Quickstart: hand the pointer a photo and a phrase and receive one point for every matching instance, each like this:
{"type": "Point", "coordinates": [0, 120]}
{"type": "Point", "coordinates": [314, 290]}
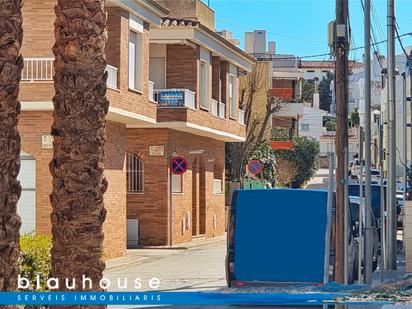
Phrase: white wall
{"type": "Point", "coordinates": [313, 118]}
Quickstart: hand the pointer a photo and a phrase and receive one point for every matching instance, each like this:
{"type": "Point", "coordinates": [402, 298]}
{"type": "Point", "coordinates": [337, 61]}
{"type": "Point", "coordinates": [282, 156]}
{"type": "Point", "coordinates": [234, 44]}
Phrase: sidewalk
{"type": "Point", "coordinates": [146, 254]}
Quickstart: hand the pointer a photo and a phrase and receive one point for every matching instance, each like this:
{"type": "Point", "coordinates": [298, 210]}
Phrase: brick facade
{"type": "Point", "coordinates": [197, 210]}
{"type": "Point", "coordinates": [32, 126]}
{"type": "Point", "coordinates": [206, 209]}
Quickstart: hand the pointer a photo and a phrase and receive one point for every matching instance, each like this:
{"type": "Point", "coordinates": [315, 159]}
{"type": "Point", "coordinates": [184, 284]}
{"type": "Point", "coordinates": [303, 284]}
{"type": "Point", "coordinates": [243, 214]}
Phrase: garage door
{"type": "Point", "coordinates": [27, 203]}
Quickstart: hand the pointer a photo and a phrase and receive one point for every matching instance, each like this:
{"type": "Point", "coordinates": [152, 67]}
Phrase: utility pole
{"type": "Point", "coordinates": [341, 86]}
{"type": "Point", "coordinates": [405, 136]}
{"type": "Point", "coordinates": [361, 205]}
{"type": "Point", "coordinates": [368, 241]}
{"type": "Point", "coordinates": [391, 211]}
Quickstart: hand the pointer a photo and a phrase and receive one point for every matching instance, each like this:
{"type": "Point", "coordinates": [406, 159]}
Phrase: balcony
{"type": "Point", "coordinates": [241, 117]}
{"type": "Point", "coordinates": [38, 70]}
{"type": "Point", "coordinates": [215, 108]}
{"type": "Point", "coordinates": [111, 77]}
{"type": "Point", "coordinates": [222, 110]}
{"type": "Point", "coordinates": [42, 70]}
{"type": "Point", "coordinates": [175, 98]}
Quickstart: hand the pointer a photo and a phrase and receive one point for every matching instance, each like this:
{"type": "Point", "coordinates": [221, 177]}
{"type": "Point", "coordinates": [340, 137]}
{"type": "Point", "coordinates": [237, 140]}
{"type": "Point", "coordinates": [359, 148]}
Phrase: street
{"type": "Point", "coordinates": [199, 268]}
{"type": "Point", "coordinates": [320, 181]}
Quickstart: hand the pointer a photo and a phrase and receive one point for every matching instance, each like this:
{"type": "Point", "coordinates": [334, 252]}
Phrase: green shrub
{"type": "Point", "coordinates": [266, 155]}
{"type": "Point", "coordinates": [305, 156]}
{"type": "Point", "coordinates": [35, 257]}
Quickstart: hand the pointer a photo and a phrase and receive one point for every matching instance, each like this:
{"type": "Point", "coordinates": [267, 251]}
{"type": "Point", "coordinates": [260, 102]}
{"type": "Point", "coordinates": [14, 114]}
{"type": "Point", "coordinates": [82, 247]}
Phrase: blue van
{"type": "Point", "coordinates": [279, 236]}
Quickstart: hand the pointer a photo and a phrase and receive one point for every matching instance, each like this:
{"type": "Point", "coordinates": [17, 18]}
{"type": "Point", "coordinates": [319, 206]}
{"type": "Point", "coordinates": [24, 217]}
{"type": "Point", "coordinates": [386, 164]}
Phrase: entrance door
{"type": "Point", "coordinates": [195, 197]}
{"type": "Point", "coordinates": [202, 205]}
{"type": "Point", "coordinates": [26, 207]}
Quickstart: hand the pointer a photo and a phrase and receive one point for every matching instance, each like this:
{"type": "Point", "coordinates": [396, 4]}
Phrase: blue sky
{"type": "Point", "coordinates": [306, 21]}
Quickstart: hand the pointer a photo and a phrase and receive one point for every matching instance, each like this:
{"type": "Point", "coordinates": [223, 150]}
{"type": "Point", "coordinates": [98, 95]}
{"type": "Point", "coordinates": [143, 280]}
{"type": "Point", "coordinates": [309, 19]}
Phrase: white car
{"type": "Point", "coordinates": [355, 169]}
{"type": "Point", "coordinates": [375, 176]}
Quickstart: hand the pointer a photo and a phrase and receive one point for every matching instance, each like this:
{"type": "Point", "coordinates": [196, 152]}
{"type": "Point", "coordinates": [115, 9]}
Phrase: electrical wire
{"type": "Point", "coordinates": [400, 41]}
{"type": "Point", "coordinates": [271, 32]}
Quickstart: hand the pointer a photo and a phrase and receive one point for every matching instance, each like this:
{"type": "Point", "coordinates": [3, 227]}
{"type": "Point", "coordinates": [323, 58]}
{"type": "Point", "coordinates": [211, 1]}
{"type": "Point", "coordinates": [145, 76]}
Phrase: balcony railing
{"type": "Point", "coordinates": [222, 110]}
{"type": "Point", "coordinates": [151, 91]}
{"type": "Point", "coordinates": [215, 107]}
{"type": "Point", "coordinates": [111, 76]}
{"type": "Point", "coordinates": [37, 69]}
{"type": "Point", "coordinates": [42, 70]}
{"type": "Point", "coordinates": [175, 98]}
{"type": "Point", "coordinates": [241, 117]}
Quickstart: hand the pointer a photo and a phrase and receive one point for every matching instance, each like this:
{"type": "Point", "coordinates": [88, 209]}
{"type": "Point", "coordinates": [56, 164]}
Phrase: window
{"type": "Point", "coordinates": [136, 61]}
{"type": "Point", "coordinates": [177, 183]}
{"type": "Point", "coordinates": [204, 83]}
{"type": "Point", "coordinates": [135, 173]}
{"type": "Point", "coordinates": [304, 126]}
{"type": "Point", "coordinates": [232, 105]}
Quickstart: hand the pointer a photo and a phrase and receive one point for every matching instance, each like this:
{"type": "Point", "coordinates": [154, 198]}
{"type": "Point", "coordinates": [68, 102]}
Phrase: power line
{"type": "Point", "coordinates": [352, 49]}
{"type": "Point", "coordinates": [399, 39]}
{"type": "Point", "coordinates": [271, 32]}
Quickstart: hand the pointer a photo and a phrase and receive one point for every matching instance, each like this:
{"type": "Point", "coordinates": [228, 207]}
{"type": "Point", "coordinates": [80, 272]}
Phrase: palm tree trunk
{"type": "Point", "coordinates": [80, 107]}
{"type": "Point", "coordinates": [11, 65]}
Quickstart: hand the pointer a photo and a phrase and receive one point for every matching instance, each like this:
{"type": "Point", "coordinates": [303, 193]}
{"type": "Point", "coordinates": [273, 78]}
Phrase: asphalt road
{"type": "Point", "coordinates": [195, 269]}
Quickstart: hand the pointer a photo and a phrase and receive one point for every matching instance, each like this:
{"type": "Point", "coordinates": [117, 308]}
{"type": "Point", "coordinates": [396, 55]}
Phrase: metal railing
{"type": "Point", "coordinates": [42, 70]}
{"type": "Point", "coordinates": [214, 107]}
{"type": "Point", "coordinates": [151, 91]}
{"type": "Point", "coordinates": [175, 98]}
{"type": "Point", "coordinates": [111, 76]}
{"type": "Point", "coordinates": [38, 69]}
{"type": "Point", "coordinates": [241, 117]}
{"type": "Point", "coordinates": [222, 110]}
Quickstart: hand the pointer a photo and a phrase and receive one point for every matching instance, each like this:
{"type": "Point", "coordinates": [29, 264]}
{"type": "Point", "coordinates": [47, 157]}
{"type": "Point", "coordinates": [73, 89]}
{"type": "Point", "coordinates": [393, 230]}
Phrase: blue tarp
{"type": "Point", "coordinates": [280, 235]}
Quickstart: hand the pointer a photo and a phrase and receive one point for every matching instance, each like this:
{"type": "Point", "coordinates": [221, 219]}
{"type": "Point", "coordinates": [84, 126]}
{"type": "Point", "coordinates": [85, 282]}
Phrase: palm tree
{"type": "Point", "coordinates": [79, 126]}
{"type": "Point", "coordinates": [11, 65]}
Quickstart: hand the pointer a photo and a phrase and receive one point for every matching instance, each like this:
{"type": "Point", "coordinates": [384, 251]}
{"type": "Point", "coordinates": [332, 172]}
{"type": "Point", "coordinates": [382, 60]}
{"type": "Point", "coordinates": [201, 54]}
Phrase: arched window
{"type": "Point", "coordinates": [135, 173]}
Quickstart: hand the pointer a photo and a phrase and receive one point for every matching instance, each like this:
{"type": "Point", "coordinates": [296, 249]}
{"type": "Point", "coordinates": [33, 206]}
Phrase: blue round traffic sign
{"type": "Point", "coordinates": [179, 165]}
{"type": "Point", "coordinates": [255, 167]}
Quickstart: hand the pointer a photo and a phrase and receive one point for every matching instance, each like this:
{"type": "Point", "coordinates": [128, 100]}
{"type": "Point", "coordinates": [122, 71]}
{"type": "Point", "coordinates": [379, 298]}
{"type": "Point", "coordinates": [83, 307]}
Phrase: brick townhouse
{"type": "Point", "coordinates": [172, 87]}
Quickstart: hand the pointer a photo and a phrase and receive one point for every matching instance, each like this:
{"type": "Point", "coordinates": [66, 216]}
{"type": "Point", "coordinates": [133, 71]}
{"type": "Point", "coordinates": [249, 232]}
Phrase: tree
{"type": "Point", "coordinates": [355, 118]}
{"type": "Point", "coordinates": [305, 156]}
{"type": "Point", "coordinates": [266, 155]}
{"type": "Point", "coordinates": [330, 125]}
{"type": "Point", "coordinates": [308, 89]}
{"type": "Point", "coordinates": [11, 65]}
{"type": "Point", "coordinates": [80, 107]}
{"type": "Point", "coordinates": [286, 172]}
{"type": "Point", "coordinates": [253, 89]}
{"type": "Point", "coordinates": [325, 96]}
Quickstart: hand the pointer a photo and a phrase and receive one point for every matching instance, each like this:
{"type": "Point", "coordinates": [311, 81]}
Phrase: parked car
{"type": "Point", "coordinates": [355, 169]}
{"type": "Point", "coordinates": [263, 247]}
{"type": "Point", "coordinates": [400, 202]}
{"type": "Point", "coordinates": [355, 206]}
{"type": "Point", "coordinates": [375, 176]}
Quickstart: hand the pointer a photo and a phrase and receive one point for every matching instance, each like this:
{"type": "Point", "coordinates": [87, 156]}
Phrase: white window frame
{"type": "Point", "coordinates": [134, 173]}
{"type": "Point", "coordinates": [204, 85]}
{"type": "Point", "coordinates": [232, 96]}
{"type": "Point", "coordinates": [135, 60]}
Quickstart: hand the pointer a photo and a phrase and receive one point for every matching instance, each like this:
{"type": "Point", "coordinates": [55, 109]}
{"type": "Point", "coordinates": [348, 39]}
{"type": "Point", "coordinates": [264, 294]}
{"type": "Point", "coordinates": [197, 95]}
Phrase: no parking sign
{"type": "Point", "coordinates": [179, 165]}
{"type": "Point", "coordinates": [255, 167]}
